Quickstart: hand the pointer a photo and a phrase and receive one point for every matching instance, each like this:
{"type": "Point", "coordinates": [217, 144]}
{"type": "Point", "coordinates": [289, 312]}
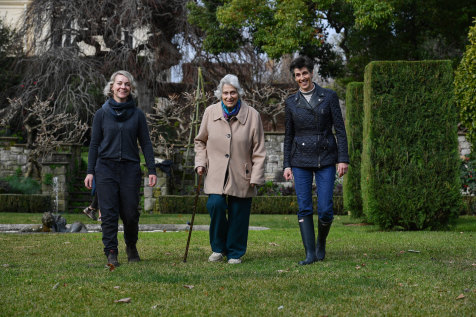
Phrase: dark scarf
{"type": "Point", "coordinates": [121, 111]}
{"type": "Point", "coordinates": [227, 113]}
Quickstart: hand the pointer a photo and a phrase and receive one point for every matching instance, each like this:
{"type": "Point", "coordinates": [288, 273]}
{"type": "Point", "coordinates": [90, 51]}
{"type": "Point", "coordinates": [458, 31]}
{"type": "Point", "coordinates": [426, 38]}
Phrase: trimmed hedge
{"type": "Point", "coordinates": [260, 204]}
{"type": "Point", "coordinates": [410, 163]}
{"type": "Point", "coordinates": [354, 115]}
{"type": "Point", "coordinates": [25, 203]}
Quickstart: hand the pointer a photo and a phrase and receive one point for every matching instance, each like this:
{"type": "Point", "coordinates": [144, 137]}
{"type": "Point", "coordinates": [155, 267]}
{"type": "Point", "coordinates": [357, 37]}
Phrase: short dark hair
{"type": "Point", "coordinates": [300, 62]}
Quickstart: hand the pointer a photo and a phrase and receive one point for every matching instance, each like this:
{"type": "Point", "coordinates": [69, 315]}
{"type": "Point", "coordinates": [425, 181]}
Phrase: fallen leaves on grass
{"type": "Point", "coordinates": [189, 286]}
{"type": "Point", "coordinates": [111, 267]}
{"type": "Point", "coordinates": [117, 287]}
{"type": "Point", "coordinates": [56, 285]}
{"type": "Point", "coordinates": [283, 271]}
{"type": "Point", "coordinates": [460, 296]}
{"type": "Point", "coordinates": [274, 244]}
{"type": "Point", "coordinates": [123, 300]}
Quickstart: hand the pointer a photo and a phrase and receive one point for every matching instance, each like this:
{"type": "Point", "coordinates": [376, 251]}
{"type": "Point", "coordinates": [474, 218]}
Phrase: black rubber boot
{"type": "Point", "coordinates": [132, 253]}
{"type": "Point", "coordinates": [112, 259]}
{"type": "Point", "coordinates": [322, 232]}
{"type": "Point", "coordinates": [306, 224]}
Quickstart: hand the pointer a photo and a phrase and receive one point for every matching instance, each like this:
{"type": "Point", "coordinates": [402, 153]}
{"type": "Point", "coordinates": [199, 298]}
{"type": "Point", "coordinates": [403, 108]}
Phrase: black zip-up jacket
{"type": "Point", "coordinates": [114, 140]}
{"type": "Point", "coordinates": [309, 140]}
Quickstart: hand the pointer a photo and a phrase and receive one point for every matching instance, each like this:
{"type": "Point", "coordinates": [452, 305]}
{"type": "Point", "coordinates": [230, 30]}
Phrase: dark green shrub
{"type": "Point", "coordinates": [261, 204]}
{"type": "Point", "coordinates": [354, 115]}
{"type": "Point", "coordinates": [465, 86]}
{"type": "Point", "coordinates": [469, 205]}
{"type": "Point", "coordinates": [24, 203]}
{"type": "Point", "coordinates": [22, 185]}
{"type": "Point", "coordinates": [410, 159]}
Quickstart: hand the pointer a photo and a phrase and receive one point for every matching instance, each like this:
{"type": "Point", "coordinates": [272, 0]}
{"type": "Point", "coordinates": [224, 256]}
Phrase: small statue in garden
{"type": "Point", "coordinates": [57, 223]}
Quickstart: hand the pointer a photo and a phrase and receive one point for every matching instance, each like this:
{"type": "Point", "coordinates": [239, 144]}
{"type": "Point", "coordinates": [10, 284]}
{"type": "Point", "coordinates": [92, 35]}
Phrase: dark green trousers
{"type": "Point", "coordinates": [229, 235]}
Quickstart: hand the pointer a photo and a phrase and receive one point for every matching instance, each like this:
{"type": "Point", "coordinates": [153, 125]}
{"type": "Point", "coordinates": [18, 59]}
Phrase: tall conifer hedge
{"type": "Point", "coordinates": [354, 114]}
{"type": "Point", "coordinates": [410, 152]}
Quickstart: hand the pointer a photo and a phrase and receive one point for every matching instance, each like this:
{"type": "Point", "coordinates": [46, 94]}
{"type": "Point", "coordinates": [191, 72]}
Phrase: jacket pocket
{"type": "Point", "coordinates": [247, 171]}
{"type": "Point", "coordinates": [322, 142]}
{"type": "Point", "coordinates": [306, 145]}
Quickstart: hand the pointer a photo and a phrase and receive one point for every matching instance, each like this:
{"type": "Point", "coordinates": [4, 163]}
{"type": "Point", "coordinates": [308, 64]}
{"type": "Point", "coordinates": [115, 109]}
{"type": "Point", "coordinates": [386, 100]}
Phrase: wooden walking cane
{"type": "Point", "coordinates": [193, 217]}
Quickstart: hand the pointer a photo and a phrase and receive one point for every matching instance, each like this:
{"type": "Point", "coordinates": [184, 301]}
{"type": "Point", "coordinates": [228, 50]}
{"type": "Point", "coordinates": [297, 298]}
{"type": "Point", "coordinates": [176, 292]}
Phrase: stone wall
{"type": "Point", "coordinates": [13, 156]}
{"type": "Point", "coordinates": [464, 145]}
{"type": "Point", "coordinates": [57, 170]}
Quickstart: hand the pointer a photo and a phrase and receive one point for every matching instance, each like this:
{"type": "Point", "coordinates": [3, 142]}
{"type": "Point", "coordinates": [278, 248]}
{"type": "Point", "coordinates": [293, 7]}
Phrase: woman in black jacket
{"type": "Point", "coordinates": [311, 150]}
{"type": "Point", "coordinates": [114, 163]}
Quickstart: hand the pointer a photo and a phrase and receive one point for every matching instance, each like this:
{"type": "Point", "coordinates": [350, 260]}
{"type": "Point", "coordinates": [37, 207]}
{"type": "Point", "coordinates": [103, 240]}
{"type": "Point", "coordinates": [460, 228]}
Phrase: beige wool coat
{"type": "Point", "coordinates": [237, 145]}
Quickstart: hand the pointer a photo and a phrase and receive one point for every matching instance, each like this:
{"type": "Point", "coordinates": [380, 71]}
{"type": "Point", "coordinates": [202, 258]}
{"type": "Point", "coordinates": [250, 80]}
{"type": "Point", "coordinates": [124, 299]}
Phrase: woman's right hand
{"type": "Point", "coordinates": [88, 181]}
{"type": "Point", "coordinates": [200, 170]}
{"type": "Point", "coordinates": [288, 174]}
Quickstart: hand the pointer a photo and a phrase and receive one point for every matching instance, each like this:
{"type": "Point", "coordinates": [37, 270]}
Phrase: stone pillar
{"type": "Point", "coordinates": [151, 193]}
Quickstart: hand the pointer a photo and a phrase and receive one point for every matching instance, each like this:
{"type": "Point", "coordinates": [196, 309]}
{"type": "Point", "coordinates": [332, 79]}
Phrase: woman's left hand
{"type": "Point", "coordinates": [342, 169]}
{"type": "Point", "coordinates": [152, 180]}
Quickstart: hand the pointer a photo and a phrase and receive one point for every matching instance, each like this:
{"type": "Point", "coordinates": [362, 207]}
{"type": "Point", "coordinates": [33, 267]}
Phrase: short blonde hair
{"type": "Point", "coordinates": [107, 89]}
{"type": "Point", "coordinates": [229, 79]}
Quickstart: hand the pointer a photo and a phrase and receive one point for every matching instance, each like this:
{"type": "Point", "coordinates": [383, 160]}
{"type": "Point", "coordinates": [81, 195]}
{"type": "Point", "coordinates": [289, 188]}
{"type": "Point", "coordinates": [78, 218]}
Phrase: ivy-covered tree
{"type": "Point", "coordinates": [465, 86]}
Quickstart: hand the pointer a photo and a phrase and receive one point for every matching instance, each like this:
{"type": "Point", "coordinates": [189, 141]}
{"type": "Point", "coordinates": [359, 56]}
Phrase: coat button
{"type": "Point", "coordinates": [227, 156]}
{"type": "Point", "coordinates": [228, 135]}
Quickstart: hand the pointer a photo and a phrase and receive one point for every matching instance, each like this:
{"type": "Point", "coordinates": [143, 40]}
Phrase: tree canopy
{"type": "Point", "coordinates": [369, 29]}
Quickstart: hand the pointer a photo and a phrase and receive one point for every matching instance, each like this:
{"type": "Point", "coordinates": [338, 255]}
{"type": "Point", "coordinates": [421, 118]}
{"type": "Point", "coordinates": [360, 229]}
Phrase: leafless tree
{"type": "Point", "coordinates": [268, 101]}
{"type": "Point", "coordinates": [73, 47]}
{"type": "Point", "coordinates": [46, 131]}
{"type": "Point", "coordinates": [171, 120]}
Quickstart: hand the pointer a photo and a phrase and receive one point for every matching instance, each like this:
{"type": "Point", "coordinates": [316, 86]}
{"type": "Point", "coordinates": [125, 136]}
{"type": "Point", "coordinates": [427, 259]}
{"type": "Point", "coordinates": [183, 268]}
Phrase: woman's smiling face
{"type": "Point", "coordinates": [303, 78]}
{"type": "Point", "coordinates": [229, 95]}
{"type": "Point", "coordinates": [121, 88]}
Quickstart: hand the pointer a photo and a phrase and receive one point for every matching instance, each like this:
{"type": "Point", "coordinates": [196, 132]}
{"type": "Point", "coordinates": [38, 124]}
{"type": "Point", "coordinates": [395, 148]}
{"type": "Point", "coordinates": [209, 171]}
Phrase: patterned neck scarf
{"type": "Point", "coordinates": [229, 114]}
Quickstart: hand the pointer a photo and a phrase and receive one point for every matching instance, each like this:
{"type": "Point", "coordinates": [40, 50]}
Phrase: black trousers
{"type": "Point", "coordinates": [118, 185]}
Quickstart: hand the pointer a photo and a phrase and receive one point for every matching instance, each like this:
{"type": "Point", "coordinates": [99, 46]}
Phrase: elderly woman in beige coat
{"type": "Point", "coordinates": [230, 151]}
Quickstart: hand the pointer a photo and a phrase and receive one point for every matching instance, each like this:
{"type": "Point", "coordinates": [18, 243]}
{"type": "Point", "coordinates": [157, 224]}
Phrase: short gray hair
{"type": "Point", "coordinates": [229, 79]}
{"type": "Point", "coordinates": [107, 89]}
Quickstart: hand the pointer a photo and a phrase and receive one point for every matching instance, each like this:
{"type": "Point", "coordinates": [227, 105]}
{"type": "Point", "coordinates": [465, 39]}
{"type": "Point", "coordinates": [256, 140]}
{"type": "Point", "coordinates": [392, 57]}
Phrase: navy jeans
{"type": "Point", "coordinates": [229, 236]}
{"type": "Point", "coordinates": [118, 185]}
{"type": "Point", "coordinates": [325, 177]}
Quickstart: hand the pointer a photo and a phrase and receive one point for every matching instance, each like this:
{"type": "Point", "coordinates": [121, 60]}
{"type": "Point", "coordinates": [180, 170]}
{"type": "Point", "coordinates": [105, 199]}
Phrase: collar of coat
{"type": "Point", "coordinates": [242, 115]}
{"type": "Point", "coordinates": [317, 97]}
{"type": "Point", "coordinates": [319, 92]}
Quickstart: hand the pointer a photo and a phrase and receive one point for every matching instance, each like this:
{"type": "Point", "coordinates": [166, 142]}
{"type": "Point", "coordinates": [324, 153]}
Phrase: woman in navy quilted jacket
{"type": "Point", "coordinates": [312, 150]}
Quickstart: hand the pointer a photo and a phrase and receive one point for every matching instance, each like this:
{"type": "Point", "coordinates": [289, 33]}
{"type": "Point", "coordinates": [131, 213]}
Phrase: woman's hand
{"type": "Point", "coordinates": [152, 180]}
{"type": "Point", "coordinates": [200, 170]}
{"type": "Point", "coordinates": [88, 181]}
{"type": "Point", "coordinates": [288, 174]}
{"type": "Point", "coordinates": [342, 169]}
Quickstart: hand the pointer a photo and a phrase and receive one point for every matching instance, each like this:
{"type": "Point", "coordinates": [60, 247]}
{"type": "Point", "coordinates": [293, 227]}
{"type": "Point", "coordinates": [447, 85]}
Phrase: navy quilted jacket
{"type": "Point", "coordinates": [309, 140]}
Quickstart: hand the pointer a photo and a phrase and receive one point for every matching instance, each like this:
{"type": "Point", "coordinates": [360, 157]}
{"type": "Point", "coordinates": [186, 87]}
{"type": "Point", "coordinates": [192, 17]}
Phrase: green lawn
{"type": "Point", "coordinates": [366, 272]}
